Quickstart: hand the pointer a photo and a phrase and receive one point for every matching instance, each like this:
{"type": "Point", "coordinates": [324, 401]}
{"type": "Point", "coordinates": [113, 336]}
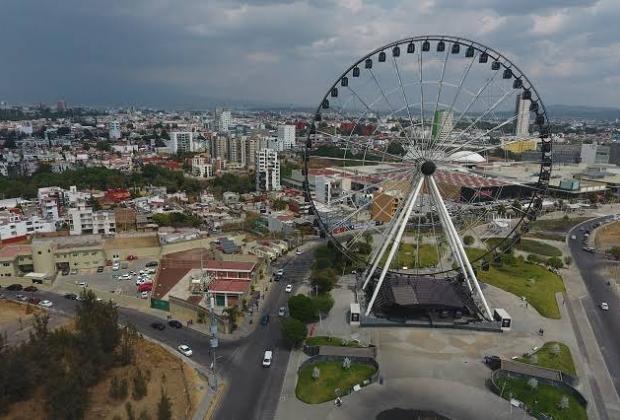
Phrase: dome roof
{"type": "Point", "coordinates": [465, 156]}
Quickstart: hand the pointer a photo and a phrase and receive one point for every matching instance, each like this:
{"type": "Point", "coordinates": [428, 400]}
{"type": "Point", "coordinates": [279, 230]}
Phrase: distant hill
{"type": "Point", "coordinates": [583, 112]}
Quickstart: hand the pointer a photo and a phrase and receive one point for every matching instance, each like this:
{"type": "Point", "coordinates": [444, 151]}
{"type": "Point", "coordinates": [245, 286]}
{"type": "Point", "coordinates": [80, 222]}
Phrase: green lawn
{"type": "Point", "coordinates": [406, 256]}
{"type": "Point", "coordinates": [546, 358]}
{"type": "Point", "coordinates": [547, 235]}
{"type": "Point", "coordinates": [330, 341]}
{"type": "Point", "coordinates": [545, 398]}
{"type": "Point", "coordinates": [533, 281]}
{"type": "Point", "coordinates": [332, 377]}
{"type": "Point", "coordinates": [556, 225]}
{"type": "Point", "coordinates": [531, 246]}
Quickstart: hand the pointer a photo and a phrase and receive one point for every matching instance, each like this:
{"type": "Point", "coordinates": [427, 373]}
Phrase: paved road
{"type": "Point", "coordinates": [253, 391]}
{"type": "Point", "coordinates": [606, 324]}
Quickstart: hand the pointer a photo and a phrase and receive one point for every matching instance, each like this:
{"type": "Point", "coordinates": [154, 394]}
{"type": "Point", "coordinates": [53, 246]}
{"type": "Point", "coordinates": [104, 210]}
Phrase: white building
{"type": "Point", "coordinates": [267, 170]}
{"type": "Point", "coordinates": [83, 220]}
{"type": "Point", "coordinates": [286, 136]}
{"type": "Point", "coordinates": [328, 188]}
{"type": "Point", "coordinates": [201, 166]}
{"type": "Point", "coordinates": [114, 130]}
{"type": "Point", "coordinates": [15, 226]}
{"type": "Point", "coordinates": [181, 141]}
{"type": "Point", "coordinates": [522, 110]}
{"type": "Point", "coordinates": [222, 119]}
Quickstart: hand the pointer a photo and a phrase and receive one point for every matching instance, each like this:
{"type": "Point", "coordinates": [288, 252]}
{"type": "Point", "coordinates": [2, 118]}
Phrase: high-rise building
{"type": "Point", "coordinates": [219, 147]}
{"type": "Point", "coordinates": [237, 150]}
{"type": "Point", "coordinates": [442, 125]}
{"type": "Point", "coordinates": [252, 144]}
{"type": "Point", "coordinates": [286, 136]}
{"type": "Point", "coordinates": [267, 170]}
{"type": "Point", "coordinates": [114, 130]}
{"type": "Point", "coordinates": [522, 111]}
{"type": "Point", "coordinates": [222, 119]}
{"type": "Point", "coordinates": [181, 141]}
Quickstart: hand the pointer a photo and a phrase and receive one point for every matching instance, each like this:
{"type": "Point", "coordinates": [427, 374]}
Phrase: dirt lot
{"type": "Point", "coordinates": [13, 311]}
{"type": "Point", "coordinates": [132, 242]}
{"type": "Point", "coordinates": [608, 236]}
{"type": "Point", "coordinates": [182, 384]}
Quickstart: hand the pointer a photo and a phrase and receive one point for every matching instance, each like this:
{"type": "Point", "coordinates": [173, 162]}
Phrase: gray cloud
{"type": "Point", "coordinates": [166, 52]}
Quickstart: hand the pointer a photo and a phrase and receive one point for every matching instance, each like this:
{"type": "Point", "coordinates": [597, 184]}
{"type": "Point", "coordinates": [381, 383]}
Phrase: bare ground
{"type": "Point", "coordinates": [608, 236]}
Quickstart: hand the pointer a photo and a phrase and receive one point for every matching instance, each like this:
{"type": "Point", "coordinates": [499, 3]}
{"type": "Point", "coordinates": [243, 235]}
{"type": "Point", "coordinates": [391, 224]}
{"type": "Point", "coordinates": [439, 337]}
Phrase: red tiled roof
{"type": "Point", "coordinates": [195, 299]}
{"type": "Point", "coordinates": [166, 279]}
{"type": "Point", "coordinates": [12, 251]}
{"type": "Point", "coordinates": [230, 286]}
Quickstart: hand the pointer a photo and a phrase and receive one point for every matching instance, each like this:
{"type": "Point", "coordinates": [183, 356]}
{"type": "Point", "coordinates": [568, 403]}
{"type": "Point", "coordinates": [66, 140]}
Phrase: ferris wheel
{"type": "Point", "coordinates": [413, 151]}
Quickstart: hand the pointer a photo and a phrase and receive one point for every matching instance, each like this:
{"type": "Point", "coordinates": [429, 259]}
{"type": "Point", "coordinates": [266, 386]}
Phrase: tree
{"type": "Point", "coordinates": [564, 403]}
{"type": "Point", "coordinates": [294, 331]}
{"type": "Point", "coordinates": [233, 313]}
{"type": "Point", "coordinates": [323, 303]}
{"type": "Point", "coordinates": [316, 373]}
{"type": "Point", "coordinates": [346, 363]}
{"type": "Point", "coordinates": [615, 252]}
{"type": "Point", "coordinates": [324, 280]}
{"type": "Point", "coordinates": [129, 337]}
{"type": "Point", "coordinates": [139, 386]}
{"type": "Point", "coordinates": [302, 308]}
{"type": "Point", "coordinates": [94, 203]}
{"type": "Point", "coordinates": [395, 148]}
{"type": "Point", "coordinates": [555, 349]}
{"type": "Point", "coordinates": [532, 383]}
{"type": "Point", "coordinates": [278, 204]}
{"type": "Point", "coordinates": [164, 407]}
{"type": "Point", "coordinates": [555, 262]}
{"type": "Point", "coordinates": [468, 240]}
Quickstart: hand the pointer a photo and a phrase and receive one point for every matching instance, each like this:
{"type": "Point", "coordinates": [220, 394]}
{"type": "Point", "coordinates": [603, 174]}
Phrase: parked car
{"type": "Point", "coordinates": [145, 287]}
{"type": "Point", "coordinates": [21, 297]}
{"type": "Point", "coordinates": [264, 320]}
{"type": "Point", "coordinates": [299, 252]}
{"type": "Point", "coordinates": [71, 296]}
{"type": "Point", "coordinates": [280, 272]}
{"type": "Point", "coordinates": [82, 284]}
{"type": "Point", "coordinates": [100, 269]}
{"type": "Point", "coordinates": [74, 271]}
{"type": "Point", "coordinates": [151, 264]}
{"type": "Point", "coordinates": [30, 289]}
{"type": "Point", "coordinates": [267, 358]}
{"type": "Point", "coordinates": [288, 288]}
{"type": "Point", "coordinates": [282, 311]}
{"type": "Point", "coordinates": [144, 295]}
{"type": "Point", "coordinates": [46, 303]}
{"type": "Point", "coordinates": [185, 350]}
{"type": "Point", "coordinates": [175, 324]}
{"type": "Point", "coordinates": [604, 306]}
{"type": "Point", "coordinates": [131, 257]}
{"type": "Point", "coordinates": [15, 287]}
{"type": "Point", "coordinates": [158, 326]}
{"type": "Point", "coordinates": [116, 266]}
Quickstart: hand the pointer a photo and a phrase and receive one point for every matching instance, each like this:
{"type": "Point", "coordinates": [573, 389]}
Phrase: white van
{"type": "Point", "coordinates": [267, 358]}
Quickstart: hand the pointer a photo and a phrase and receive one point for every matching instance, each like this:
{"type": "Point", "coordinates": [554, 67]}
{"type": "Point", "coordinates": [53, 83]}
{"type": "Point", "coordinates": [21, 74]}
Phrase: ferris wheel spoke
{"type": "Point", "coordinates": [480, 136]}
{"type": "Point", "coordinates": [436, 238]}
{"type": "Point", "coordinates": [456, 96]}
{"type": "Point", "coordinates": [421, 82]}
{"type": "Point", "coordinates": [495, 105]}
{"type": "Point", "coordinates": [402, 90]}
{"type": "Point", "coordinates": [433, 122]}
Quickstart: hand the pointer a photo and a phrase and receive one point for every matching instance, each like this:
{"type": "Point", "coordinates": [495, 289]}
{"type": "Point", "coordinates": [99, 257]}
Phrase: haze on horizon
{"type": "Point", "coordinates": [171, 53]}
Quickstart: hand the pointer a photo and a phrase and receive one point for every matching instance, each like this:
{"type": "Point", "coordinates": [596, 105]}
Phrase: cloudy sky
{"type": "Point", "coordinates": [185, 52]}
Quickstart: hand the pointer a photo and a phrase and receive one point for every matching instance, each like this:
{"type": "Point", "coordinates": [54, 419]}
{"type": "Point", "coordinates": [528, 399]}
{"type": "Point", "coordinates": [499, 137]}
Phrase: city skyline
{"type": "Point", "coordinates": [284, 52]}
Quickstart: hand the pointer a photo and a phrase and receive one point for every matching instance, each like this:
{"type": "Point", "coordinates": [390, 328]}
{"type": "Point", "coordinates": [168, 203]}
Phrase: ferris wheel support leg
{"type": "Point", "coordinates": [459, 245]}
{"type": "Point", "coordinates": [396, 243]}
{"type": "Point", "coordinates": [453, 247]}
{"type": "Point", "coordinates": [392, 231]}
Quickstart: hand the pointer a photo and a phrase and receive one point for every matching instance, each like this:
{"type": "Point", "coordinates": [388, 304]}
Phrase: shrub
{"type": "Point", "coordinates": [302, 308]}
{"type": "Point", "coordinates": [323, 303]}
{"type": "Point", "coordinates": [555, 262]}
{"type": "Point", "coordinates": [294, 331]}
{"type": "Point", "coordinates": [139, 386]}
{"type": "Point", "coordinates": [468, 240]}
{"type": "Point", "coordinates": [324, 279]}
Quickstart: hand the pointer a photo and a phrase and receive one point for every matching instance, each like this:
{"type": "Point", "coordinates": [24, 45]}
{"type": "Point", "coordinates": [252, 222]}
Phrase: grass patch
{"type": "Point", "coordinates": [548, 236]}
{"type": "Point", "coordinates": [544, 399]}
{"type": "Point", "coordinates": [545, 357]}
{"type": "Point", "coordinates": [406, 256]}
{"type": "Point", "coordinates": [331, 341]}
{"type": "Point", "coordinates": [332, 376]}
{"type": "Point", "coordinates": [536, 283]}
{"type": "Point", "coordinates": [530, 246]}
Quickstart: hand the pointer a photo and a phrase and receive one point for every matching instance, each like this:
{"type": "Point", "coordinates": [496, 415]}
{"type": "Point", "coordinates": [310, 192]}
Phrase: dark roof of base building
{"type": "Point", "coordinates": [421, 291]}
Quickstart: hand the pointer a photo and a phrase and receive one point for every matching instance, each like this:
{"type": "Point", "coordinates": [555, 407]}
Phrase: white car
{"type": "Point", "coordinates": [125, 276]}
{"type": "Point", "coordinates": [185, 350]}
{"type": "Point", "coordinates": [604, 306]}
{"type": "Point", "coordinates": [267, 358]}
{"type": "Point", "coordinates": [282, 311]}
{"type": "Point", "coordinates": [288, 288]}
{"type": "Point", "coordinates": [82, 284]}
{"type": "Point", "coordinates": [46, 303]}
{"type": "Point", "coordinates": [116, 266]}
{"type": "Point", "coordinates": [280, 272]}
{"type": "Point", "coordinates": [144, 295]}
{"type": "Point", "coordinates": [299, 252]}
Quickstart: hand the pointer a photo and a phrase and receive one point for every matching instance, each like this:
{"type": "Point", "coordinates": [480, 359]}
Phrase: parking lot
{"type": "Point", "coordinates": [109, 280]}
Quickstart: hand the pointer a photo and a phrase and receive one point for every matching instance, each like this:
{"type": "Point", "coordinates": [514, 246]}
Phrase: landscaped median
{"type": "Point", "coordinates": [333, 379]}
{"type": "Point", "coordinates": [552, 355]}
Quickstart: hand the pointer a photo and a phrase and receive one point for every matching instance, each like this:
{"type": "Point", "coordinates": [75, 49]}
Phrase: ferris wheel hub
{"type": "Point", "coordinates": [428, 168]}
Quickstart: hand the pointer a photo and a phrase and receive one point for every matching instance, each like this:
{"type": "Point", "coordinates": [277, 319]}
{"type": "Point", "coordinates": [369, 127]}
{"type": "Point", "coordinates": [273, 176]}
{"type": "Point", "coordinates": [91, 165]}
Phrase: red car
{"type": "Point", "coordinates": [131, 257]}
{"type": "Point", "coordinates": [146, 287]}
